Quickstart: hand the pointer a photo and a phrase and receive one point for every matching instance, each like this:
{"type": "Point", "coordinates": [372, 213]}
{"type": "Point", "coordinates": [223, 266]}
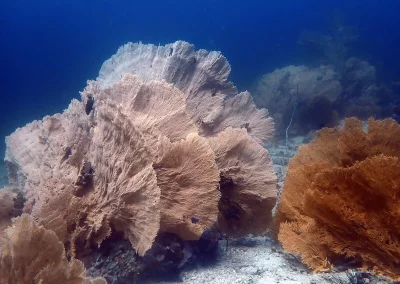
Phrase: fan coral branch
{"type": "Point", "coordinates": [248, 183]}
{"type": "Point", "coordinates": [32, 254]}
{"type": "Point", "coordinates": [188, 177]}
{"type": "Point", "coordinates": [212, 101]}
{"type": "Point", "coordinates": [340, 201]}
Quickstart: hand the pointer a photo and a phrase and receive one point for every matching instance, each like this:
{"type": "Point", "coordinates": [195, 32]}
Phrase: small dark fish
{"type": "Point", "coordinates": [89, 105]}
{"type": "Point", "coordinates": [68, 152]}
{"type": "Point", "coordinates": [195, 220]}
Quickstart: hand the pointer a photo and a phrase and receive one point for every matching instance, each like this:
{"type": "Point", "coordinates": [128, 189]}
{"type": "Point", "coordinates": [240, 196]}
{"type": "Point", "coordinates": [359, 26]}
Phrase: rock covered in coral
{"type": "Point", "coordinates": [318, 97]}
{"type": "Point", "coordinates": [280, 87]}
{"type": "Point", "coordinates": [118, 262]}
{"type": "Point", "coordinates": [359, 71]}
{"type": "Point", "coordinates": [340, 200]}
{"type": "Point", "coordinates": [363, 96]}
{"type": "Point", "coordinates": [314, 89]}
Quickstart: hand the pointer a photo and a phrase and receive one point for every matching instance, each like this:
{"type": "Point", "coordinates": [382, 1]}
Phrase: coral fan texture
{"type": "Point", "coordinates": [341, 196]}
{"type": "Point", "coordinates": [202, 76]}
{"type": "Point", "coordinates": [32, 254]}
{"type": "Point", "coordinates": [247, 183]}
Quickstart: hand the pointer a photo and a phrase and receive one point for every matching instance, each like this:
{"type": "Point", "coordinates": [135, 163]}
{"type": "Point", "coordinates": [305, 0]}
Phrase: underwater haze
{"type": "Point", "coordinates": [159, 141]}
{"type": "Point", "coordinates": [50, 48]}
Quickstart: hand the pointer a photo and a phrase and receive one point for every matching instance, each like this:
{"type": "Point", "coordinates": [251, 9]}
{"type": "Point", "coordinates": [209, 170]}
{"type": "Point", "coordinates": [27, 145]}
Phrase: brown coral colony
{"type": "Point", "coordinates": [341, 197]}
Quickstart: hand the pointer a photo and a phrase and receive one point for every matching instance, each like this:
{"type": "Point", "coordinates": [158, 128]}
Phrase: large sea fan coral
{"type": "Point", "coordinates": [212, 101]}
{"type": "Point", "coordinates": [134, 159]}
{"type": "Point", "coordinates": [82, 202]}
{"type": "Point", "coordinates": [341, 195]}
{"type": "Point", "coordinates": [114, 186]}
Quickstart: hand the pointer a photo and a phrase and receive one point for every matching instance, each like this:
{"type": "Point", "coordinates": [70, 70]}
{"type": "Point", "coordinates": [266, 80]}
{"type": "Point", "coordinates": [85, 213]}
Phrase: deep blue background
{"type": "Point", "coordinates": [48, 49]}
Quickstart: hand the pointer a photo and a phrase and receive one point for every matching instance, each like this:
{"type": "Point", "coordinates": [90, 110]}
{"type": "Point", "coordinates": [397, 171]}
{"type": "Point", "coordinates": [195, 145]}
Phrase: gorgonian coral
{"type": "Point", "coordinates": [340, 200]}
{"type": "Point", "coordinates": [247, 184]}
{"type": "Point", "coordinates": [32, 254]}
{"type": "Point", "coordinates": [140, 156]}
{"type": "Point", "coordinates": [212, 101]}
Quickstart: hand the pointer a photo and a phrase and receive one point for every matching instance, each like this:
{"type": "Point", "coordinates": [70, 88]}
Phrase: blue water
{"type": "Point", "coordinates": [48, 49]}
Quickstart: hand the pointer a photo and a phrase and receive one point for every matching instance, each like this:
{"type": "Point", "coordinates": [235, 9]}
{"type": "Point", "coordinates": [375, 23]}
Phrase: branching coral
{"type": "Point", "coordinates": [340, 201]}
{"type": "Point", "coordinates": [33, 254]}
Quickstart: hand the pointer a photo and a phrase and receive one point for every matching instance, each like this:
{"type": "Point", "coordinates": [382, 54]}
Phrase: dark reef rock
{"type": "Point", "coordinates": [117, 261]}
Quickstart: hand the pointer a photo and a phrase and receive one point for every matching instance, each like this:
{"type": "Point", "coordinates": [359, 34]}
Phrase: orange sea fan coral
{"type": "Point", "coordinates": [341, 196]}
{"type": "Point", "coordinates": [32, 254]}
